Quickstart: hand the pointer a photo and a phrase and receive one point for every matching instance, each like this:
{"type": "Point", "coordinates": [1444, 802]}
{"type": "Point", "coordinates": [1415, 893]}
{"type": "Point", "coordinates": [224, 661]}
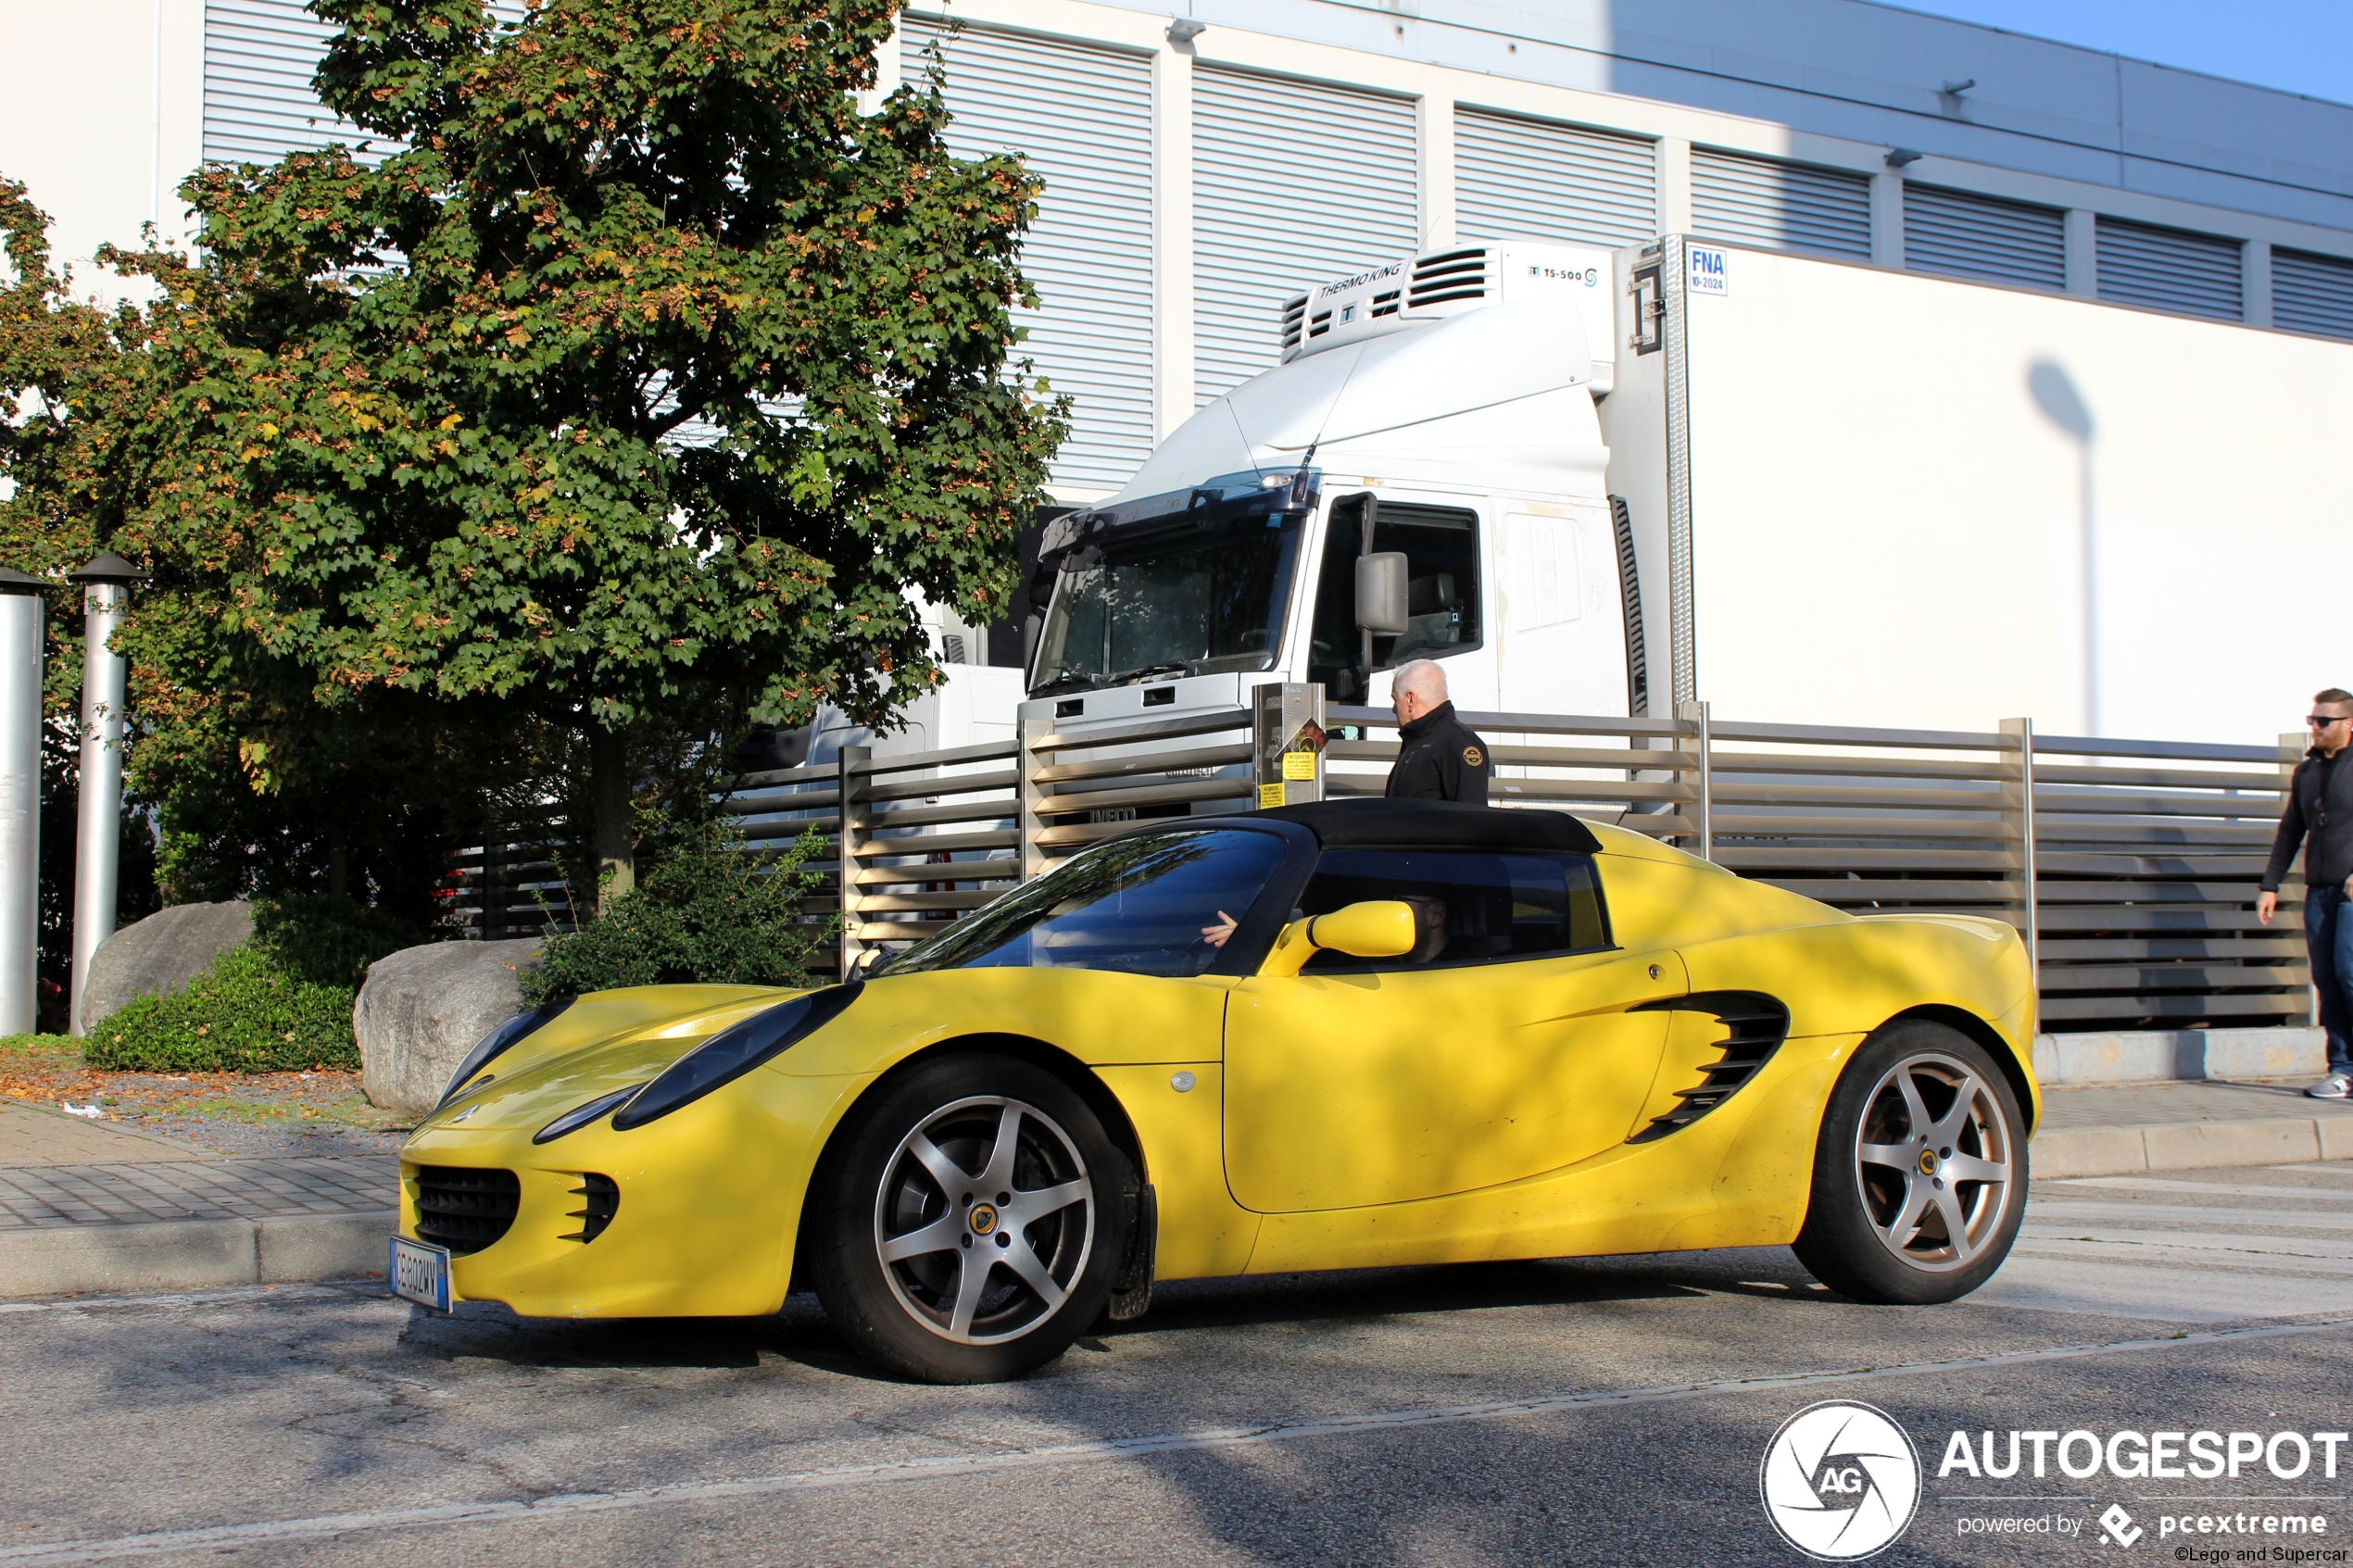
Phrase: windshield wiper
{"type": "Point", "coordinates": [1175, 666]}
{"type": "Point", "coordinates": [1075, 680]}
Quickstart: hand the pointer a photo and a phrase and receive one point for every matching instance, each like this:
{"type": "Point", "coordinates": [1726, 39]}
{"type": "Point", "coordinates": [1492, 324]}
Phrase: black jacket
{"type": "Point", "coordinates": [2319, 804]}
{"type": "Point", "coordinates": [1441, 758]}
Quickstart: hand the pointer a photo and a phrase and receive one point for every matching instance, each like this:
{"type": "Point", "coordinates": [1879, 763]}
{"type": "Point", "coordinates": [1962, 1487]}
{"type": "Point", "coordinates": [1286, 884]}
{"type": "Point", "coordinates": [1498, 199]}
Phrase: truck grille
{"type": "Point", "coordinates": [1453, 274]}
{"type": "Point", "coordinates": [600, 1201]}
{"type": "Point", "coordinates": [465, 1209]}
{"type": "Point", "coordinates": [1755, 1025]}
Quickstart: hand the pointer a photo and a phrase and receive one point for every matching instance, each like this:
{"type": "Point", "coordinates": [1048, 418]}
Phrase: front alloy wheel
{"type": "Point", "coordinates": [984, 1220]}
{"type": "Point", "coordinates": [968, 1219]}
{"type": "Point", "coordinates": [1920, 1174]}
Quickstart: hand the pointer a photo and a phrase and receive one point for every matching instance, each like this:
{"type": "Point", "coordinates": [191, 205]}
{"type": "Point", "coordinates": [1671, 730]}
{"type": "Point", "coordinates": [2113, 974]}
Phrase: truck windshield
{"type": "Point", "coordinates": [1192, 581]}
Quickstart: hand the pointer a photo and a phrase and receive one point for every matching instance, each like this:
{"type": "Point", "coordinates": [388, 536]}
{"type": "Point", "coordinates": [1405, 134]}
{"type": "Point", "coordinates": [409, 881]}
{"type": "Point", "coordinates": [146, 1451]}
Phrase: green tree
{"type": "Point", "coordinates": [639, 383]}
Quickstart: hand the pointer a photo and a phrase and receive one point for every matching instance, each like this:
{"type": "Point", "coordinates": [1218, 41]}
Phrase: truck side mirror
{"type": "Point", "coordinates": [1380, 592]}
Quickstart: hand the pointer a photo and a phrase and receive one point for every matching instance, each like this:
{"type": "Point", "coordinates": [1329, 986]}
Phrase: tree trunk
{"type": "Point", "coordinates": [615, 832]}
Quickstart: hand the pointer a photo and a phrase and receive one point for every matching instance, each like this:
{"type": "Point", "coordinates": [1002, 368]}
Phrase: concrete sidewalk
{"type": "Point", "coordinates": [89, 1205]}
{"type": "Point", "coordinates": [2187, 1125]}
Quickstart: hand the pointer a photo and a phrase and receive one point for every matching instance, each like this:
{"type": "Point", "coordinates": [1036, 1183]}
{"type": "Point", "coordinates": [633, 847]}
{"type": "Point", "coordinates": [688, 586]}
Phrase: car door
{"type": "Point", "coordinates": [1514, 1040]}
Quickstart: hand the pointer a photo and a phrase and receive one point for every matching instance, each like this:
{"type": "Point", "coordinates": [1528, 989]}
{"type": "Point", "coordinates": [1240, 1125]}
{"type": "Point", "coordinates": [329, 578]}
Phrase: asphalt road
{"type": "Point", "coordinates": [1611, 1410]}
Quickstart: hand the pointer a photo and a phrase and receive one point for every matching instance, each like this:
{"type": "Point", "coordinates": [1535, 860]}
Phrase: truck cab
{"type": "Point", "coordinates": [1430, 431]}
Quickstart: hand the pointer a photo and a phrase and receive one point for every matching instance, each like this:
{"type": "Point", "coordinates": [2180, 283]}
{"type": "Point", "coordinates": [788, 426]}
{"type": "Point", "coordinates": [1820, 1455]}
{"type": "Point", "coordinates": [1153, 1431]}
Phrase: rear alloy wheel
{"type": "Point", "coordinates": [972, 1222]}
{"type": "Point", "coordinates": [1920, 1177]}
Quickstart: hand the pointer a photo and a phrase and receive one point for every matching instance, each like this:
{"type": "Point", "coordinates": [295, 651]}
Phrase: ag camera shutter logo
{"type": "Point", "coordinates": [1840, 1481]}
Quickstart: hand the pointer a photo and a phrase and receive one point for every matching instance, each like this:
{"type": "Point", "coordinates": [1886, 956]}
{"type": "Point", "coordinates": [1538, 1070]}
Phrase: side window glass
{"type": "Point", "coordinates": [1441, 546]}
{"type": "Point", "coordinates": [1471, 905]}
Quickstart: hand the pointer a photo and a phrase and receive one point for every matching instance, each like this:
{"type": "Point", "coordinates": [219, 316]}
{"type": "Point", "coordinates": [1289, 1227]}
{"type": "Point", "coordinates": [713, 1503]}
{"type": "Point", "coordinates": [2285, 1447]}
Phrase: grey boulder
{"type": "Point", "coordinates": [422, 1009]}
{"type": "Point", "coordinates": [160, 954]}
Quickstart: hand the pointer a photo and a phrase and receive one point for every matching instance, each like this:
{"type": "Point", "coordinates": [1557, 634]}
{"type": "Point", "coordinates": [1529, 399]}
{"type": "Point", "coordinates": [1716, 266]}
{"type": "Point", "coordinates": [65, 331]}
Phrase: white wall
{"type": "Point", "coordinates": [1890, 518]}
{"type": "Point", "coordinates": [101, 116]}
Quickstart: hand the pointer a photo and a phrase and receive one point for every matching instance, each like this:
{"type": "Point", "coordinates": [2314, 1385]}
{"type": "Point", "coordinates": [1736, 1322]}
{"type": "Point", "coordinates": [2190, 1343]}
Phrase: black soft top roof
{"type": "Point", "coordinates": [1430, 825]}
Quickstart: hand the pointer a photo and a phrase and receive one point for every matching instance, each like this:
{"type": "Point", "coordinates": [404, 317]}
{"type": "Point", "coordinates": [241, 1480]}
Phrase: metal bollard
{"type": "Point", "coordinates": [20, 633]}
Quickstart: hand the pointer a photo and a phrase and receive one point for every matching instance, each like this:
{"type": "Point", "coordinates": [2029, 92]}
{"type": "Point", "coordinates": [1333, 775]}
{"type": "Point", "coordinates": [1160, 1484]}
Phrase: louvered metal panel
{"type": "Point", "coordinates": [258, 58]}
{"type": "Point", "coordinates": [2170, 269]}
{"type": "Point", "coordinates": [259, 55]}
{"type": "Point", "coordinates": [1534, 179]}
{"type": "Point", "coordinates": [1961, 234]}
{"type": "Point", "coordinates": [2312, 293]}
{"type": "Point", "coordinates": [1781, 206]}
{"type": "Point", "coordinates": [1082, 117]}
{"type": "Point", "coordinates": [1293, 183]}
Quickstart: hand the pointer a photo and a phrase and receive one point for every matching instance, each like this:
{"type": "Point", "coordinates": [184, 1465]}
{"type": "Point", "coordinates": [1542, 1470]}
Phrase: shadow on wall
{"type": "Point", "coordinates": [2062, 403]}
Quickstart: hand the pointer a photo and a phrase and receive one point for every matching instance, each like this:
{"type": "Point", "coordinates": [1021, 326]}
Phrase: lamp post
{"type": "Point", "coordinates": [98, 828]}
{"type": "Point", "coordinates": [20, 617]}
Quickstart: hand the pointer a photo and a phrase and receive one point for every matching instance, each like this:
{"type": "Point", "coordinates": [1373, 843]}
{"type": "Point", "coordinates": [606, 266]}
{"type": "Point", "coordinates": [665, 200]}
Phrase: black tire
{"type": "Point", "coordinates": [1049, 1217]}
{"type": "Point", "coordinates": [1899, 1170]}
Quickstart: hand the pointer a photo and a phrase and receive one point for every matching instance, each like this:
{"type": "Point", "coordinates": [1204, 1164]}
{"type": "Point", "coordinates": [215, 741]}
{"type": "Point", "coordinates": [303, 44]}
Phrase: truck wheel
{"type": "Point", "coordinates": [1920, 1175]}
{"type": "Point", "coordinates": [971, 1221]}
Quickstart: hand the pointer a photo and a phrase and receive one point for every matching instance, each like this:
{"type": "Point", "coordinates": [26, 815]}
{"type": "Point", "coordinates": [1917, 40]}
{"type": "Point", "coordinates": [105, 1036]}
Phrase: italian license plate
{"type": "Point", "coordinates": [421, 1273]}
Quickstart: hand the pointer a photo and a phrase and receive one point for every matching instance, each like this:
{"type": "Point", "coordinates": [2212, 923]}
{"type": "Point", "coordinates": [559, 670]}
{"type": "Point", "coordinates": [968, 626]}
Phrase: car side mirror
{"type": "Point", "coordinates": [1378, 928]}
{"type": "Point", "coordinates": [1380, 595]}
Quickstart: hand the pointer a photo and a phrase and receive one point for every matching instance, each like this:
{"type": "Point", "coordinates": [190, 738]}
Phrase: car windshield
{"type": "Point", "coordinates": [1146, 905]}
{"type": "Point", "coordinates": [1194, 581]}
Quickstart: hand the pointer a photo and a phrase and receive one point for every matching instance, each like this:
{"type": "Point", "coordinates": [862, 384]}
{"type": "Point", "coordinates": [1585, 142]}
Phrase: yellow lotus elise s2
{"type": "Point", "coordinates": [1341, 1035]}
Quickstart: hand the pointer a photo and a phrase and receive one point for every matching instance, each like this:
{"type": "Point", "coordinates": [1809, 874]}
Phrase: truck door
{"type": "Point", "coordinates": [1563, 635]}
{"type": "Point", "coordinates": [1445, 590]}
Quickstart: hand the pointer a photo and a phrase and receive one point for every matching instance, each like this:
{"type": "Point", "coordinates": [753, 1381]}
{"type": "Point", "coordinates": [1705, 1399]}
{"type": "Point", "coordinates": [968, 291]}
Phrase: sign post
{"type": "Point", "coordinates": [1287, 728]}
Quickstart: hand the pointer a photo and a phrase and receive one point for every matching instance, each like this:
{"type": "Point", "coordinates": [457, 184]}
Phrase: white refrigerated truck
{"type": "Point", "coordinates": [1805, 490]}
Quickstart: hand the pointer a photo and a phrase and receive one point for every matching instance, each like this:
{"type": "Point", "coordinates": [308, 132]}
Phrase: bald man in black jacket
{"type": "Point", "coordinates": [1440, 758]}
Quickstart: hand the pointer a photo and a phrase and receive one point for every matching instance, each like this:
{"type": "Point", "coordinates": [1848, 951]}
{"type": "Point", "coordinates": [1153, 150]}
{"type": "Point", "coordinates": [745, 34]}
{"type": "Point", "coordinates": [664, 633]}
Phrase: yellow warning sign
{"type": "Point", "coordinates": [1270, 795]}
{"type": "Point", "coordinates": [1299, 765]}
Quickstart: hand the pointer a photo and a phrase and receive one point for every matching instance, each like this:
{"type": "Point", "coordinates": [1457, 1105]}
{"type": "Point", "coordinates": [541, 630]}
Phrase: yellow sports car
{"type": "Point", "coordinates": [1355, 1034]}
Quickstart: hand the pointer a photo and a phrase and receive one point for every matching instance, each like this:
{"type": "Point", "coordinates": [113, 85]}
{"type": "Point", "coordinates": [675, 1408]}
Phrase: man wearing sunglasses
{"type": "Point", "coordinates": [2319, 817]}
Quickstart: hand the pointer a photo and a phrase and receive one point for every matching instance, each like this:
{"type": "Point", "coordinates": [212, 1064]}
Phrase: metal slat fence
{"type": "Point", "coordinates": [2129, 865]}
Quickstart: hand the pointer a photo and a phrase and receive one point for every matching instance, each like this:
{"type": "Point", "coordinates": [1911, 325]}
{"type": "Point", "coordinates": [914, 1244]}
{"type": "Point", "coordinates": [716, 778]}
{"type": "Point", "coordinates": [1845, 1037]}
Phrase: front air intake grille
{"type": "Point", "coordinates": [1385, 304]}
{"type": "Point", "coordinates": [1294, 320]}
{"type": "Point", "coordinates": [600, 1201]}
{"type": "Point", "coordinates": [464, 1208]}
{"type": "Point", "coordinates": [1455, 274]}
{"type": "Point", "coordinates": [1755, 1025]}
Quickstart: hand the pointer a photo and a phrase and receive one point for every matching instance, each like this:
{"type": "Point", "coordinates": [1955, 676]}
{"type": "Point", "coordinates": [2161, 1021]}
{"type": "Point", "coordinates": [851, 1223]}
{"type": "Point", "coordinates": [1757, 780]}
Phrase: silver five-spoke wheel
{"type": "Point", "coordinates": [985, 1220]}
{"type": "Point", "coordinates": [1934, 1160]}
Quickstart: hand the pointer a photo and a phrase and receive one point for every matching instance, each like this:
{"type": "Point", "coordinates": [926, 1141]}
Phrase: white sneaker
{"type": "Point", "coordinates": [2336, 1085]}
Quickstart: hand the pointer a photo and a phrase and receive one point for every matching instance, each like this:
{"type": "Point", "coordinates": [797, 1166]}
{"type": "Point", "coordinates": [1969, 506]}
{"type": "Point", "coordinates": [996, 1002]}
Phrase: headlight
{"type": "Point", "coordinates": [733, 1053]}
{"type": "Point", "coordinates": [580, 1116]}
{"type": "Point", "coordinates": [498, 1039]}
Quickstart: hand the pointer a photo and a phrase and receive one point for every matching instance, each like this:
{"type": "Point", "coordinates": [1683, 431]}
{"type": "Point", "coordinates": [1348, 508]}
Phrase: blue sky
{"type": "Point", "coordinates": [2301, 45]}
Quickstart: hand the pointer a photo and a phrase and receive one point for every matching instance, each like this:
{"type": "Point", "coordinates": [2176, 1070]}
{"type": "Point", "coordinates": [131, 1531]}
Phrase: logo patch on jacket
{"type": "Point", "coordinates": [1473, 757]}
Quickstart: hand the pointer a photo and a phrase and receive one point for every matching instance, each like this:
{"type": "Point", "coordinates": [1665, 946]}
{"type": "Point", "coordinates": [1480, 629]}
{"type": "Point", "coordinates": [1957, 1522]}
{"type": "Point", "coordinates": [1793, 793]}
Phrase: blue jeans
{"type": "Point", "coordinates": [2328, 936]}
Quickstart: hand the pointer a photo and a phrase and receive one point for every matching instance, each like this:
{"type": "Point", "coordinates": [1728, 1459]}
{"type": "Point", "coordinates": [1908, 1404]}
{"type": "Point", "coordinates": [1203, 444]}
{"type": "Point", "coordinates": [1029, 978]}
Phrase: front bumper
{"type": "Point", "coordinates": [708, 1204]}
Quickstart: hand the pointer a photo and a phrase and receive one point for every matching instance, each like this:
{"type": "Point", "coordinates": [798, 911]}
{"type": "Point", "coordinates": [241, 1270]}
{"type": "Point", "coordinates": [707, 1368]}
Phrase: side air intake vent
{"type": "Point", "coordinates": [600, 1201]}
{"type": "Point", "coordinates": [465, 1209]}
{"type": "Point", "coordinates": [1294, 321]}
{"type": "Point", "coordinates": [1755, 1026]}
{"type": "Point", "coordinates": [1453, 274]}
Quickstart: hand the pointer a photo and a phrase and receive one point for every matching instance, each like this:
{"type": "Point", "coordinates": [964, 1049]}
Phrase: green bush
{"type": "Point", "coordinates": [280, 1002]}
{"type": "Point", "coordinates": [706, 911]}
{"type": "Point", "coordinates": [327, 940]}
{"type": "Point", "coordinates": [247, 1013]}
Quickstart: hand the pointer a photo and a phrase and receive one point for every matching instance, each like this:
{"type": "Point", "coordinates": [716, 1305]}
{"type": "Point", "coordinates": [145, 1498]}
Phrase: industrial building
{"type": "Point", "coordinates": [1203, 167]}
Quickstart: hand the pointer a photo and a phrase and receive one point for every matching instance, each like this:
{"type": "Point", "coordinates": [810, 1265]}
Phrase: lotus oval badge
{"type": "Point", "coordinates": [982, 1219]}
